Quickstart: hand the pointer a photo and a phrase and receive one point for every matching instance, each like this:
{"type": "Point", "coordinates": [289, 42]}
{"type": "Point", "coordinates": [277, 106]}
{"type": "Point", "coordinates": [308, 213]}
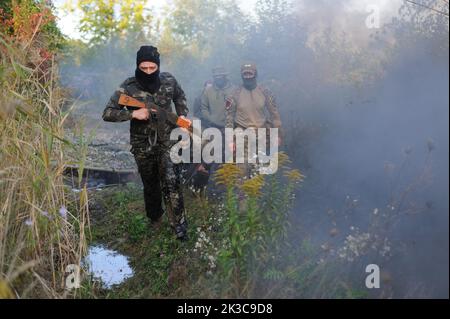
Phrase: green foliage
{"type": "Point", "coordinates": [255, 229]}
{"type": "Point", "coordinates": [128, 222]}
{"type": "Point", "coordinates": [5, 8]}
{"type": "Point", "coordinates": [202, 32]}
{"type": "Point", "coordinates": [231, 251]}
{"type": "Point", "coordinates": [31, 21]}
{"type": "Point", "coordinates": [137, 227]}
{"type": "Point", "coordinates": [102, 20]}
{"type": "Point", "coordinates": [39, 235]}
{"type": "Point", "coordinates": [154, 254]}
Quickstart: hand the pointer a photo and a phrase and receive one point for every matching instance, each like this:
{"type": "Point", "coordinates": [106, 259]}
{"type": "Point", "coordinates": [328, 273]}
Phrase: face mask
{"type": "Point", "coordinates": [220, 82]}
{"type": "Point", "coordinates": [150, 82]}
{"type": "Point", "coordinates": [249, 83]}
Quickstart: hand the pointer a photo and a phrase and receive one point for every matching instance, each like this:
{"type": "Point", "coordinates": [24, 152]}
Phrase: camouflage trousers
{"type": "Point", "coordinates": [248, 169]}
{"type": "Point", "coordinates": [162, 181]}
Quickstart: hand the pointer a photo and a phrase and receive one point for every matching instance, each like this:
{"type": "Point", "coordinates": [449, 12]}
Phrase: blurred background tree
{"type": "Point", "coordinates": [100, 20]}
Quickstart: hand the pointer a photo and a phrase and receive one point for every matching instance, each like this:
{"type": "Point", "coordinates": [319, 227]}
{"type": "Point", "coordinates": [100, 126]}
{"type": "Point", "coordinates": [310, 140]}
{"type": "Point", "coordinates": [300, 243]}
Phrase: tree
{"type": "Point", "coordinates": [103, 19]}
{"type": "Point", "coordinates": [202, 33]}
{"type": "Point", "coordinates": [423, 21]}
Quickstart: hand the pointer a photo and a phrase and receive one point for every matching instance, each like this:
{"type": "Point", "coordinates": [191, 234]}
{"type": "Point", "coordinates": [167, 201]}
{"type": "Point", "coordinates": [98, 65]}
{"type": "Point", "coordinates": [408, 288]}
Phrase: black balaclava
{"type": "Point", "coordinates": [220, 81]}
{"type": "Point", "coordinates": [249, 74]}
{"type": "Point", "coordinates": [150, 82]}
{"type": "Point", "coordinates": [249, 83]}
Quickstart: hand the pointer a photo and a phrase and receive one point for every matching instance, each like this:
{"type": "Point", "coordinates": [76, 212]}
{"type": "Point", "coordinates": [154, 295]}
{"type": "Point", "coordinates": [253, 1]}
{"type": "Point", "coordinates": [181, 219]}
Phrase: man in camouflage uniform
{"type": "Point", "coordinates": [149, 144]}
{"type": "Point", "coordinates": [212, 106]}
{"type": "Point", "coordinates": [252, 106]}
{"type": "Point", "coordinates": [214, 97]}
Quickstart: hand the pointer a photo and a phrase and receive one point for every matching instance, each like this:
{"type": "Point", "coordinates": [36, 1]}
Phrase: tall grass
{"type": "Point", "coordinates": [254, 233]}
{"type": "Point", "coordinates": [41, 230]}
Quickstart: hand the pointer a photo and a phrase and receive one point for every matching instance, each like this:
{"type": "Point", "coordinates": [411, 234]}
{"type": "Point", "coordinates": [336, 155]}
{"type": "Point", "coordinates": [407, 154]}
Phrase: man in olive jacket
{"type": "Point", "coordinates": [214, 97]}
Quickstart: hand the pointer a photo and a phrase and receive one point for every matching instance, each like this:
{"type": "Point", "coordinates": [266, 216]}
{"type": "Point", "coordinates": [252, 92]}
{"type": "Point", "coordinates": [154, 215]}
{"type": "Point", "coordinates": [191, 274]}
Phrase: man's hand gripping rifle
{"type": "Point", "coordinates": [157, 114]}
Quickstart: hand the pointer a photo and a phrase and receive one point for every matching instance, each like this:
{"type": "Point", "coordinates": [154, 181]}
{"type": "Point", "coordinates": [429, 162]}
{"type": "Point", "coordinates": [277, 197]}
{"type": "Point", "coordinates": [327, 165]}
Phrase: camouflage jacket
{"type": "Point", "coordinates": [213, 103]}
{"type": "Point", "coordinates": [142, 133]}
{"type": "Point", "coordinates": [256, 108]}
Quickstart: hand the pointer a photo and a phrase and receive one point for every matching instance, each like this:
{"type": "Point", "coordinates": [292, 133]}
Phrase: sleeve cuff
{"type": "Point", "coordinates": [130, 115]}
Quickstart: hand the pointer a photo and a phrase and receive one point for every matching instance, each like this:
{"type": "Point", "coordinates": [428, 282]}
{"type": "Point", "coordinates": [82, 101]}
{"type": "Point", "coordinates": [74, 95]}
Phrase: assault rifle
{"type": "Point", "coordinates": [157, 113]}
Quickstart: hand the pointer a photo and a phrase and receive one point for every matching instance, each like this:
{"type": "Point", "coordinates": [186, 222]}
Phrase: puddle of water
{"type": "Point", "coordinates": [107, 265]}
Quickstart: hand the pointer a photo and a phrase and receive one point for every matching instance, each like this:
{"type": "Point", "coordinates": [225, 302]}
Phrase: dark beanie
{"type": "Point", "coordinates": [147, 53]}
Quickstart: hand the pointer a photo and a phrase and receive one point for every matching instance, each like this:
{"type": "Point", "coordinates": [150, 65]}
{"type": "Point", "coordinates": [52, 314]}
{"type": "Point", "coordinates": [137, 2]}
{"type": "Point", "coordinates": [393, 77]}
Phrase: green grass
{"type": "Point", "coordinates": [157, 257]}
{"type": "Point", "coordinates": [37, 242]}
{"type": "Point", "coordinates": [165, 267]}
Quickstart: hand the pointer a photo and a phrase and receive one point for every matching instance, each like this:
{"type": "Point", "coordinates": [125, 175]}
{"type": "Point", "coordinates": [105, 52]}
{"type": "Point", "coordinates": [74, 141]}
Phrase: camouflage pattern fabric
{"type": "Point", "coordinates": [162, 182]}
{"type": "Point", "coordinates": [160, 176]}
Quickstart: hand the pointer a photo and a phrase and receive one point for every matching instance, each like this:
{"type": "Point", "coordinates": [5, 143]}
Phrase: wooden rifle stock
{"type": "Point", "coordinates": [154, 110]}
